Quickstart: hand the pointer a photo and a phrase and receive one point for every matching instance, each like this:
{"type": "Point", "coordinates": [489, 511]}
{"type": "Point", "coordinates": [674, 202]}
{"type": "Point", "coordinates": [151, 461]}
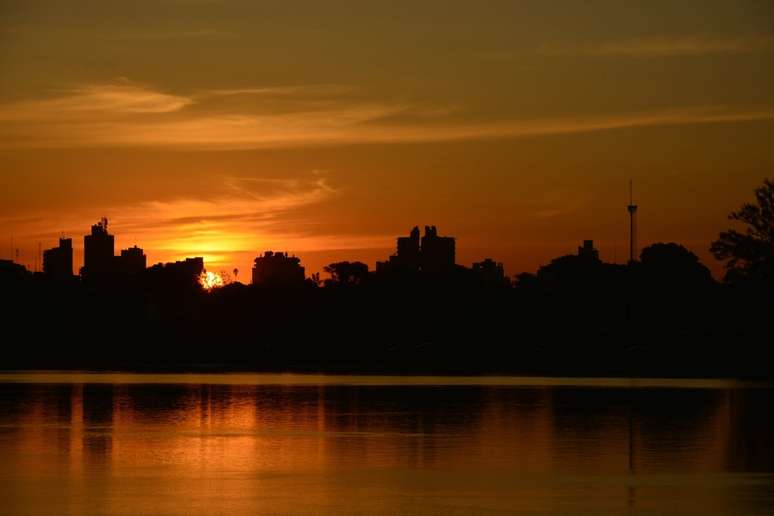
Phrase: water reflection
{"type": "Point", "coordinates": [130, 448]}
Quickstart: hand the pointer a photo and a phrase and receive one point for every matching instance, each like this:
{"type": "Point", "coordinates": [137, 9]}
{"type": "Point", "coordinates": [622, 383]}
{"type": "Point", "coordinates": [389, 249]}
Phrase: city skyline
{"type": "Point", "coordinates": [616, 253]}
{"type": "Point", "coordinates": [101, 264]}
{"type": "Point", "coordinates": [325, 130]}
{"type": "Point", "coordinates": [429, 253]}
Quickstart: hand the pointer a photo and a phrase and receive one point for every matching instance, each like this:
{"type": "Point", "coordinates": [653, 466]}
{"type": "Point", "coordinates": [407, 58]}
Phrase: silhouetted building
{"type": "Point", "coordinates": [193, 267]}
{"type": "Point", "coordinates": [490, 273]}
{"type": "Point", "coordinates": [58, 261]}
{"type": "Point", "coordinates": [437, 252]}
{"type": "Point", "coordinates": [278, 269]}
{"type": "Point", "coordinates": [131, 261]}
{"type": "Point", "coordinates": [432, 253]}
{"type": "Point", "coordinates": [587, 251]}
{"type": "Point", "coordinates": [98, 251]}
{"type": "Point", "coordinates": [408, 253]}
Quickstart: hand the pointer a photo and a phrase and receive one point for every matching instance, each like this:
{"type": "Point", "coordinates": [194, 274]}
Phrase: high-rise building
{"type": "Point", "coordinates": [431, 253]}
{"type": "Point", "coordinates": [438, 253]}
{"type": "Point", "coordinates": [131, 261]}
{"type": "Point", "coordinates": [408, 252]}
{"type": "Point", "coordinates": [58, 261]}
{"type": "Point", "coordinates": [278, 269]}
{"type": "Point", "coordinates": [98, 251]}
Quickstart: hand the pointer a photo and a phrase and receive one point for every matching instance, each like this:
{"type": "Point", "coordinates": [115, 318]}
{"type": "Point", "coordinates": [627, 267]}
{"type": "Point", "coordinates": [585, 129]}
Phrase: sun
{"type": "Point", "coordinates": [210, 280]}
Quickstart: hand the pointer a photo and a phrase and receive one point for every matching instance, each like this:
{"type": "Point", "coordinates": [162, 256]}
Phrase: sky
{"type": "Point", "coordinates": [226, 128]}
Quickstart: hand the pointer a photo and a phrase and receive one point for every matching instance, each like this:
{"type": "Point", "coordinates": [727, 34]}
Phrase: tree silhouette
{"type": "Point", "coordinates": [750, 255]}
{"type": "Point", "coordinates": [526, 281]}
{"type": "Point", "coordinates": [669, 290]}
{"type": "Point", "coordinates": [672, 268]}
{"type": "Point", "coordinates": [347, 273]}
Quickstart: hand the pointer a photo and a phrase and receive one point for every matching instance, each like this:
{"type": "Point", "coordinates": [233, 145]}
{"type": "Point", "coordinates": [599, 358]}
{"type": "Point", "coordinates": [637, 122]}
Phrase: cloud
{"type": "Point", "coordinates": [94, 102]}
{"type": "Point", "coordinates": [246, 216]}
{"type": "Point", "coordinates": [128, 115]}
{"type": "Point", "coordinates": [664, 46]}
{"type": "Point", "coordinates": [283, 91]}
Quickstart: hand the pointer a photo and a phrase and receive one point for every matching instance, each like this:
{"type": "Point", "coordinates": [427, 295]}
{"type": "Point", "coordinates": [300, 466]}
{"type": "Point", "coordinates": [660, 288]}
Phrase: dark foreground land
{"type": "Point", "coordinates": [623, 322]}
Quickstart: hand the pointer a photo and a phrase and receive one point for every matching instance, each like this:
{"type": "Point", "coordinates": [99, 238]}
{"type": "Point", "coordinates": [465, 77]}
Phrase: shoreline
{"type": "Point", "coordinates": [301, 378]}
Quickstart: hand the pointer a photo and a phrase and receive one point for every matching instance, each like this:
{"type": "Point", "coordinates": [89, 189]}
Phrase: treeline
{"type": "Point", "coordinates": [663, 315]}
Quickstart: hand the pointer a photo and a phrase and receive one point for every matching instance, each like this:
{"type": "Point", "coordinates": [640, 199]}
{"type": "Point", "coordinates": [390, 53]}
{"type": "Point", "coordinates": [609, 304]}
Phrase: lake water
{"type": "Point", "coordinates": [304, 444]}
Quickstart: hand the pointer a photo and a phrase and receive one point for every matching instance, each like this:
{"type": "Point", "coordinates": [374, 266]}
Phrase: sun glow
{"type": "Point", "coordinates": [210, 280]}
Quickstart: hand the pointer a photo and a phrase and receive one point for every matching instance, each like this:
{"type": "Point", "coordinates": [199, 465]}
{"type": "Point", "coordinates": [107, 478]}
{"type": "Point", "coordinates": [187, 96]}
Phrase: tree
{"type": "Point", "coordinates": [749, 255]}
{"type": "Point", "coordinates": [347, 273]}
{"type": "Point", "coordinates": [526, 281]}
{"type": "Point", "coordinates": [672, 267]}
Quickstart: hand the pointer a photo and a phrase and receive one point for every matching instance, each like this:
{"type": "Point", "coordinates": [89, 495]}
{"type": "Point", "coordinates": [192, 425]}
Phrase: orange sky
{"type": "Point", "coordinates": [225, 129]}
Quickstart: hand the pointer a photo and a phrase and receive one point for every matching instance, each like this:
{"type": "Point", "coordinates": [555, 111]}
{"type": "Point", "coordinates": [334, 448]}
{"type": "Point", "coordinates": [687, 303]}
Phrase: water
{"type": "Point", "coordinates": [295, 444]}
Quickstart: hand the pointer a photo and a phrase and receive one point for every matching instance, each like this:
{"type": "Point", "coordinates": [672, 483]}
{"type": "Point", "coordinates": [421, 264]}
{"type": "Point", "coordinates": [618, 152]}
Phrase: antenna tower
{"type": "Point", "coordinates": [632, 209]}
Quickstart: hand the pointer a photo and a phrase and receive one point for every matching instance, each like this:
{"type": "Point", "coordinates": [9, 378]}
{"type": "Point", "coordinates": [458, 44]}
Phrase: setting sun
{"type": "Point", "coordinates": [210, 280]}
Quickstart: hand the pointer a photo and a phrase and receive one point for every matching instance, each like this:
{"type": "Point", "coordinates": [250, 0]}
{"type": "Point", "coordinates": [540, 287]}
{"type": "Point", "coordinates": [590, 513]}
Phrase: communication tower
{"type": "Point", "coordinates": [632, 209]}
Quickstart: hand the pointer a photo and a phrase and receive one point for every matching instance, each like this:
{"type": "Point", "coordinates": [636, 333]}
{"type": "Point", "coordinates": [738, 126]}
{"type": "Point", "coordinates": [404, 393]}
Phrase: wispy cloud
{"type": "Point", "coordinates": [245, 216]}
{"type": "Point", "coordinates": [93, 102]}
{"type": "Point", "coordinates": [664, 46]}
{"type": "Point", "coordinates": [125, 114]}
{"type": "Point", "coordinates": [283, 91]}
